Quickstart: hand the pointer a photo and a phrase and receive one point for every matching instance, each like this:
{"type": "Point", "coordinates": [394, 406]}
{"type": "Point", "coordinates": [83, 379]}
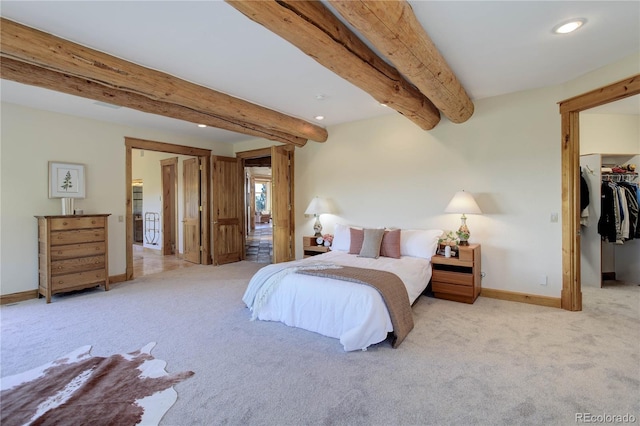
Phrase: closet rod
{"type": "Point", "coordinates": [619, 177]}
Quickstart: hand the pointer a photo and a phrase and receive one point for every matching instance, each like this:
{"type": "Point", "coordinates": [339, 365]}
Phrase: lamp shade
{"type": "Point", "coordinates": [318, 206]}
{"type": "Point", "coordinates": [463, 202]}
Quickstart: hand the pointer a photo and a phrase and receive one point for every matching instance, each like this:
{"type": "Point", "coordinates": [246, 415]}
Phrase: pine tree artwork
{"type": "Point", "coordinates": [67, 183]}
{"type": "Point", "coordinates": [66, 180]}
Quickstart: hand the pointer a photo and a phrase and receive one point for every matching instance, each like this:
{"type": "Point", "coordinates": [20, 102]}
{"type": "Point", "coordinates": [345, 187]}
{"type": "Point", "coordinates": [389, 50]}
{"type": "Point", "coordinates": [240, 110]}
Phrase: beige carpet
{"type": "Point", "coordinates": [490, 363]}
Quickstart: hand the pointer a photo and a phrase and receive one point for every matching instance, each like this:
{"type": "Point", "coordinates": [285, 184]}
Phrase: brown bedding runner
{"type": "Point", "coordinates": [390, 287]}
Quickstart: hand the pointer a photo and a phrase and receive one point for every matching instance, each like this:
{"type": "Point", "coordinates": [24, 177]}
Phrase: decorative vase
{"type": "Point", "coordinates": [327, 243]}
{"type": "Point", "coordinates": [67, 206]}
{"type": "Point", "coordinates": [447, 251]}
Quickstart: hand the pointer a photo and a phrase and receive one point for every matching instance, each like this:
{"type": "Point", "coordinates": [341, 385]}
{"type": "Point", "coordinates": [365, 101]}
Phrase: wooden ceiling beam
{"type": "Point", "coordinates": [311, 27]}
{"type": "Point", "coordinates": [393, 29]}
{"type": "Point", "coordinates": [36, 76]}
{"type": "Point", "coordinates": [43, 50]}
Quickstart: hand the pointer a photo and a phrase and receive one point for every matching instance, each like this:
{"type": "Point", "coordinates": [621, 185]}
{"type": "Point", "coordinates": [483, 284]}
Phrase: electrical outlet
{"type": "Point", "coordinates": [120, 218]}
{"type": "Point", "coordinates": [554, 217]}
{"type": "Point", "coordinates": [543, 280]}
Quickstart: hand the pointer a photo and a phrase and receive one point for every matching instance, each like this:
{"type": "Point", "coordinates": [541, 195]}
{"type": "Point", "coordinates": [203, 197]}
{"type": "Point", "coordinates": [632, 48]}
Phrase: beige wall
{"type": "Point", "coordinates": [609, 133]}
{"type": "Point", "coordinates": [379, 172]}
{"type": "Point", "coordinates": [29, 139]}
{"type": "Point", "coordinates": [388, 172]}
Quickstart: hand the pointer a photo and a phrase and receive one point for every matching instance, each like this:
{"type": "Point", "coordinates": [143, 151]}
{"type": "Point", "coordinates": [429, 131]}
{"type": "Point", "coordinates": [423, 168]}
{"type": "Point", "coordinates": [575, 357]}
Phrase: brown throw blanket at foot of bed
{"type": "Point", "coordinates": [390, 287]}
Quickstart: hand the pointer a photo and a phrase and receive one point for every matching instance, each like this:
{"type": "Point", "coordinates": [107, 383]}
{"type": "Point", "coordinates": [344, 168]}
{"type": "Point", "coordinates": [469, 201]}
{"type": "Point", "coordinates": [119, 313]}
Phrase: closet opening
{"type": "Point", "coordinates": [571, 297]}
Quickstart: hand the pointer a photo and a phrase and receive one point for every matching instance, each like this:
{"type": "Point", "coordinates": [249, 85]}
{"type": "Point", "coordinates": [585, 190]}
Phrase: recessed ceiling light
{"type": "Point", "coordinates": [319, 117]}
{"type": "Point", "coordinates": [320, 97]}
{"type": "Point", "coordinates": [202, 125]}
{"type": "Point", "coordinates": [569, 26]}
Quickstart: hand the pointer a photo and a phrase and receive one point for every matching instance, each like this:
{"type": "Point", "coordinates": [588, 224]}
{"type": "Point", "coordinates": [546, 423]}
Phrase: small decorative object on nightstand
{"type": "Point", "coordinates": [458, 278]}
{"type": "Point", "coordinates": [312, 247]}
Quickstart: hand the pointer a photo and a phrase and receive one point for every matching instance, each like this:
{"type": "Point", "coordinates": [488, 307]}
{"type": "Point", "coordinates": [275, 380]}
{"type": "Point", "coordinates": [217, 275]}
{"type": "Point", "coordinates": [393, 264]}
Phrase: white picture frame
{"type": "Point", "coordinates": [66, 180]}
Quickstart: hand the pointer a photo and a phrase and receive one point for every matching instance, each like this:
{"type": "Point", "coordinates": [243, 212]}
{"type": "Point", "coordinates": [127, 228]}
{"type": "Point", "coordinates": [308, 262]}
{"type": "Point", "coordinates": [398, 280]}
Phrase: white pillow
{"type": "Point", "coordinates": [419, 242]}
{"type": "Point", "coordinates": [341, 238]}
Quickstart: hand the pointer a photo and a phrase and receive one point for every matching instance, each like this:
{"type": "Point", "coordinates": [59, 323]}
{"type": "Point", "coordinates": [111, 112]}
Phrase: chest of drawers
{"type": "Point", "coordinates": [72, 253]}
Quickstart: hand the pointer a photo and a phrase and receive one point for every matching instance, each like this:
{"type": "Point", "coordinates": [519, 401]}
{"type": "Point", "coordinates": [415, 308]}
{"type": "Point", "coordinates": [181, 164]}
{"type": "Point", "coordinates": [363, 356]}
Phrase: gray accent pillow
{"type": "Point", "coordinates": [371, 243]}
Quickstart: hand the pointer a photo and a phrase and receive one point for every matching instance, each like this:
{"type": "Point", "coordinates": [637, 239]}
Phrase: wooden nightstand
{"type": "Point", "coordinates": [311, 248]}
{"type": "Point", "coordinates": [457, 278]}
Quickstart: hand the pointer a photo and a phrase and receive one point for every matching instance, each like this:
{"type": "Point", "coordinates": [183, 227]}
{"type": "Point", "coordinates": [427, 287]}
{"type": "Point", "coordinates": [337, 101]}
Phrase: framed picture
{"type": "Point", "coordinates": [66, 180]}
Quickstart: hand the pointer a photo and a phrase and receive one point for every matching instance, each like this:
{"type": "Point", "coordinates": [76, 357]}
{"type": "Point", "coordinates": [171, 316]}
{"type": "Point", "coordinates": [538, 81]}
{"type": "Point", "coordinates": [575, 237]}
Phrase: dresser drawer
{"type": "Point", "coordinates": [77, 250]}
{"type": "Point", "coordinates": [77, 280]}
{"type": "Point", "coordinates": [452, 277]}
{"type": "Point", "coordinates": [63, 224]}
{"type": "Point", "coordinates": [453, 289]}
{"type": "Point", "coordinates": [78, 236]}
{"type": "Point", "coordinates": [80, 264]}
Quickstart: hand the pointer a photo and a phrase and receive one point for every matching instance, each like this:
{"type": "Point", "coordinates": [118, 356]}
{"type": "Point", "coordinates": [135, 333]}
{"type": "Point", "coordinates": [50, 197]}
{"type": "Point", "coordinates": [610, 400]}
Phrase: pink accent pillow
{"type": "Point", "coordinates": [391, 244]}
{"type": "Point", "coordinates": [357, 238]}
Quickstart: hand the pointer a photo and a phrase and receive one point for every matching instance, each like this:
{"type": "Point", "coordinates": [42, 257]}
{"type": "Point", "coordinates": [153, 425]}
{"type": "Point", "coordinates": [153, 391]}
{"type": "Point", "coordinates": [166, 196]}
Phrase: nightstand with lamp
{"type": "Point", "coordinates": [458, 279]}
{"type": "Point", "coordinates": [315, 245]}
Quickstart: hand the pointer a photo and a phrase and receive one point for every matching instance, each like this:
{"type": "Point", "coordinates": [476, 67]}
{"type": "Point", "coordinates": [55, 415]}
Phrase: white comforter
{"type": "Point", "coordinates": [353, 313]}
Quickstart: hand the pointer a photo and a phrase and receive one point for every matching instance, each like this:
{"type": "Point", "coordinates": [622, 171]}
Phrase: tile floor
{"type": "Point", "coordinates": [259, 246]}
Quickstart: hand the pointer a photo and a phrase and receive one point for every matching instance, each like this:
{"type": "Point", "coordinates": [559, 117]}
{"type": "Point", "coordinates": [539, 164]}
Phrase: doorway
{"type": "Point", "coordinates": [281, 216]}
{"type": "Point", "coordinates": [204, 185]}
{"type": "Point", "coordinates": [259, 235]}
{"type": "Point", "coordinates": [571, 298]}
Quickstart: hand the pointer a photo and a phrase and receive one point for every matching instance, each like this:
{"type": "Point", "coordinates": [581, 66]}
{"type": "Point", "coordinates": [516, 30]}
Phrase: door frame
{"type": "Point", "coordinates": [259, 153]}
{"type": "Point", "coordinates": [571, 298]}
{"type": "Point", "coordinates": [205, 229]}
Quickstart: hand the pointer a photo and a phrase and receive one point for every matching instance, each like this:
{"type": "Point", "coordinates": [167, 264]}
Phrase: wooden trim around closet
{"type": "Point", "coordinates": [571, 297]}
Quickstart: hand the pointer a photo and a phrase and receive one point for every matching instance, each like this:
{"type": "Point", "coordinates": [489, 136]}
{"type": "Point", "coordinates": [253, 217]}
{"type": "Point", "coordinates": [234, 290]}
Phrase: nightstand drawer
{"type": "Point", "coordinates": [452, 277]}
{"type": "Point", "coordinates": [452, 289]}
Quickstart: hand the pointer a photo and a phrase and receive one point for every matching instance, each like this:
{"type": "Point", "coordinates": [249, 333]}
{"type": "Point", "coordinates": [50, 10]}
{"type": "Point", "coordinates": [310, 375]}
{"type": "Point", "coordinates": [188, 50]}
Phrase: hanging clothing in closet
{"type": "Point", "coordinates": [619, 212]}
{"type": "Point", "coordinates": [584, 200]}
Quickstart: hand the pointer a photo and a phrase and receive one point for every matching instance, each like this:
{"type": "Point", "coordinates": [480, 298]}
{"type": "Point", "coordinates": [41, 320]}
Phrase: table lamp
{"type": "Point", "coordinates": [318, 206]}
{"type": "Point", "coordinates": [463, 202]}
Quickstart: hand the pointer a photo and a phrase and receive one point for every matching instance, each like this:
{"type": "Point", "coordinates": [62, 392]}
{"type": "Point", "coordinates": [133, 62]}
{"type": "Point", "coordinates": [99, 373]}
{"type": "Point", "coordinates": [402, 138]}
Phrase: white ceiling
{"type": "Point", "coordinates": [494, 47]}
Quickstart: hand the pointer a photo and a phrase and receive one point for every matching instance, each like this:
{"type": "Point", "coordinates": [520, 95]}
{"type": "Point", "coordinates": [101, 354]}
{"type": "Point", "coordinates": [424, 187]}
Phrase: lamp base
{"type": "Point", "coordinates": [317, 227]}
{"type": "Point", "coordinates": [463, 232]}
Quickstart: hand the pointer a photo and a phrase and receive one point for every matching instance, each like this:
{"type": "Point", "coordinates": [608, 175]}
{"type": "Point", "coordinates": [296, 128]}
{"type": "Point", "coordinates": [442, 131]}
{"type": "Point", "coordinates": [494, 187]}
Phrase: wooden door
{"type": "Point", "coordinates": [191, 220]}
{"type": "Point", "coordinates": [227, 210]}
{"type": "Point", "coordinates": [282, 204]}
{"type": "Point", "coordinates": [169, 214]}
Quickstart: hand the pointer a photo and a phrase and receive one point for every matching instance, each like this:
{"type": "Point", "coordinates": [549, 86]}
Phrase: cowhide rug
{"type": "Point", "coordinates": [122, 389]}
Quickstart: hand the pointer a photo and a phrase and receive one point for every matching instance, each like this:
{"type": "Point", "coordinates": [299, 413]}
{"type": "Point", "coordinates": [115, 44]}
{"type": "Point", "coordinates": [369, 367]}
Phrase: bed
{"type": "Point", "coordinates": [354, 313]}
